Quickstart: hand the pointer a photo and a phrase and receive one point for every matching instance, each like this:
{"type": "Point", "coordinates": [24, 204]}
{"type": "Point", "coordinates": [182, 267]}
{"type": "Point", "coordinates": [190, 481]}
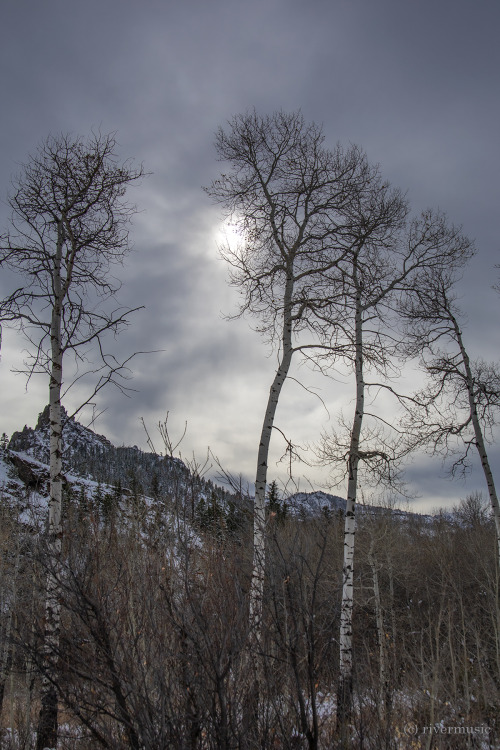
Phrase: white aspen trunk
{"type": "Point", "coordinates": [253, 660]}
{"type": "Point", "coordinates": [344, 694]}
{"type": "Point", "coordinates": [47, 724]}
{"type": "Point", "coordinates": [480, 444]}
{"type": "Point", "coordinates": [259, 516]}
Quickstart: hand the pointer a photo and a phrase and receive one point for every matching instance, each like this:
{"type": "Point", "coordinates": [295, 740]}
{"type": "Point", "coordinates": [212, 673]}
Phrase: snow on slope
{"type": "Point", "coordinates": [90, 462]}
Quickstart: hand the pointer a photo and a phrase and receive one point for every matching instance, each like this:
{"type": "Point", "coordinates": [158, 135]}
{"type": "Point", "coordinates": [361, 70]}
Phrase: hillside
{"type": "Point", "coordinates": [93, 464]}
{"type": "Point", "coordinates": [91, 460]}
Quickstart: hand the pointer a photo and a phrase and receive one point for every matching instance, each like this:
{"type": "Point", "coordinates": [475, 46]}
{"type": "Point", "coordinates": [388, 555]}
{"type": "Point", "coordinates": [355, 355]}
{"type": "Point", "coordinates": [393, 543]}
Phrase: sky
{"type": "Point", "coordinates": [414, 84]}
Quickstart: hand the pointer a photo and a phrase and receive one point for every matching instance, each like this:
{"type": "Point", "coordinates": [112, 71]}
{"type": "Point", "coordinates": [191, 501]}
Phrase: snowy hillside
{"type": "Point", "coordinates": [89, 455]}
{"type": "Point", "coordinates": [92, 464]}
{"type": "Point", "coordinates": [97, 471]}
{"type": "Point", "coordinates": [76, 439]}
{"type": "Point", "coordinates": [307, 504]}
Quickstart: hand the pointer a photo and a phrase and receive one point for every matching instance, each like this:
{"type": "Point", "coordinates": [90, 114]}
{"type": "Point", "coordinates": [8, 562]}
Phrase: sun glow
{"type": "Point", "coordinates": [229, 236]}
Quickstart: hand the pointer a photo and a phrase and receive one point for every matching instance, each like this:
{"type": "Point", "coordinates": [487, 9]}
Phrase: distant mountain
{"type": "Point", "coordinates": [89, 455]}
{"type": "Point", "coordinates": [315, 504]}
{"type": "Point", "coordinates": [91, 461]}
{"type": "Point", "coordinates": [312, 504]}
{"type": "Point", "coordinates": [77, 440]}
{"type": "Point", "coordinates": [93, 466]}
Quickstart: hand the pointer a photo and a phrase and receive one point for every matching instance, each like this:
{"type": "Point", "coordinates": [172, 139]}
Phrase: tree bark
{"type": "Point", "coordinates": [256, 597]}
{"type": "Point", "coordinates": [344, 693]}
{"type": "Point", "coordinates": [259, 526]}
{"type": "Point", "coordinates": [47, 721]}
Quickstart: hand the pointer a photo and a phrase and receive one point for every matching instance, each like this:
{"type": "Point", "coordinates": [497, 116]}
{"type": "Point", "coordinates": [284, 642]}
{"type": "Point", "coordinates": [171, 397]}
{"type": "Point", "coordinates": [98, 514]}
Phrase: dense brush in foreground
{"type": "Point", "coordinates": [154, 648]}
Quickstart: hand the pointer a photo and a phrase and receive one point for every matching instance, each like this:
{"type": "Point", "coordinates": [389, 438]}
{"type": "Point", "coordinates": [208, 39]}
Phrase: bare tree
{"type": "Point", "coordinates": [388, 252]}
{"type": "Point", "coordinates": [459, 407]}
{"type": "Point", "coordinates": [68, 227]}
{"type": "Point", "coordinates": [288, 197]}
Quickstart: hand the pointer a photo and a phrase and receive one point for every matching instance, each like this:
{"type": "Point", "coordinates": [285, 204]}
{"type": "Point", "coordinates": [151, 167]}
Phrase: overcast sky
{"type": "Point", "coordinates": [416, 84]}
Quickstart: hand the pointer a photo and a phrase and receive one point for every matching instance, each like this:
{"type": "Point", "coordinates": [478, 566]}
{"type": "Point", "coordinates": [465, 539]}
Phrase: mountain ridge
{"type": "Point", "coordinates": [92, 458]}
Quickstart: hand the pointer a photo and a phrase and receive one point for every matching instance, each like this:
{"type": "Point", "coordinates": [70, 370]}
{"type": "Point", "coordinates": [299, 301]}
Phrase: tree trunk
{"type": "Point", "coordinates": [47, 720]}
{"type": "Point", "coordinates": [480, 444]}
{"type": "Point", "coordinates": [259, 531]}
{"type": "Point", "coordinates": [259, 516]}
{"type": "Point", "coordinates": [7, 648]}
{"type": "Point", "coordinates": [253, 656]}
{"type": "Point", "coordinates": [344, 693]}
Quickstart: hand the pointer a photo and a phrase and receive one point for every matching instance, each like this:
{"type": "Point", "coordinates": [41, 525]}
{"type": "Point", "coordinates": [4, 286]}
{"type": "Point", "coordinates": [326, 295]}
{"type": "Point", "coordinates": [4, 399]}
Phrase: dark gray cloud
{"type": "Point", "coordinates": [415, 84]}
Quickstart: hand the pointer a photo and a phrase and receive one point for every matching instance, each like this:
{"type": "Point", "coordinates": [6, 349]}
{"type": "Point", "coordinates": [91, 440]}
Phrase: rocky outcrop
{"type": "Point", "coordinates": [34, 475]}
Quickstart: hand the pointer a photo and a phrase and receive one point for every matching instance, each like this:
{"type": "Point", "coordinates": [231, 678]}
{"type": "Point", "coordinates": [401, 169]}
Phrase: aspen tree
{"type": "Point", "coordinates": [459, 407]}
{"type": "Point", "coordinates": [389, 253]}
{"type": "Point", "coordinates": [288, 196]}
{"type": "Point", "coordinates": [68, 227]}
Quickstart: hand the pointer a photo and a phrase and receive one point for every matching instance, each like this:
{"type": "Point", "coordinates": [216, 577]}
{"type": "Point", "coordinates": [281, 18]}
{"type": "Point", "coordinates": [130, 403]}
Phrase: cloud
{"type": "Point", "coordinates": [412, 83]}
